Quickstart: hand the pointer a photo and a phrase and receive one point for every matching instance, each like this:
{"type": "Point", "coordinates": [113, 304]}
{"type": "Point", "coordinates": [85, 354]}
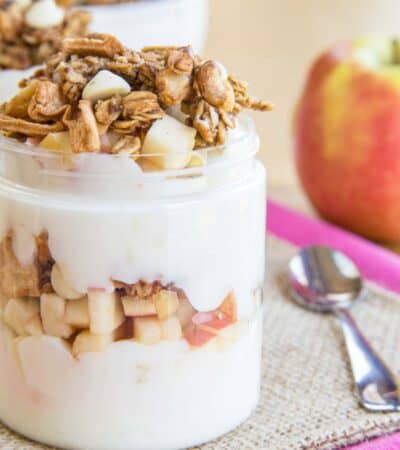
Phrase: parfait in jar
{"type": "Point", "coordinates": [132, 225]}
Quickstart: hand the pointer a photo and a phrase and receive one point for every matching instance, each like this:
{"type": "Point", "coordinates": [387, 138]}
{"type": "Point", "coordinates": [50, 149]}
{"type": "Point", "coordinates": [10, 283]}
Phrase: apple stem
{"type": "Point", "coordinates": [396, 51]}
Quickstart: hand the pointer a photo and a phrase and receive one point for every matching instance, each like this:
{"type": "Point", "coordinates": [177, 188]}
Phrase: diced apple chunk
{"type": "Point", "coordinates": [147, 330]}
{"type": "Point", "coordinates": [104, 85]}
{"type": "Point", "coordinates": [62, 286]}
{"type": "Point", "coordinates": [105, 311]}
{"type": "Point", "coordinates": [171, 329]}
{"type": "Point", "coordinates": [52, 310]}
{"type": "Point", "coordinates": [137, 307]}
{"type": "Point", "coordinates": [166, 303]}
{"type": "Point", "coordinates": [18, 105]}
{"type": "Point", "coordinates": [169, 143]}
{"type": "Point", "coordinates": [18, 312]}
{"type": "Point", "coordinates": [60, 142]}
{"type": "Point", "coordinates": [85, 342]}
{"type": "Point", "coordinates": [34, 326]}
{"type": "Point", "coordinates": [229, 307]}
{"type": "Point", "coordinates": [77, 313]}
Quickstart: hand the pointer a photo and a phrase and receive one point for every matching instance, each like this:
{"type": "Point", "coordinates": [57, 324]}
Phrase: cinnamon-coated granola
{"type": "Point", "coordinates": [159, 78]}
{"type": "Point", "coordinates": [23, 46]}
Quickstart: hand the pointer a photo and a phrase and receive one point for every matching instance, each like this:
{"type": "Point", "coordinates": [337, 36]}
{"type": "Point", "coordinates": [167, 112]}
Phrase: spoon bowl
{"type": "Point", "coordinates": [324, 279]}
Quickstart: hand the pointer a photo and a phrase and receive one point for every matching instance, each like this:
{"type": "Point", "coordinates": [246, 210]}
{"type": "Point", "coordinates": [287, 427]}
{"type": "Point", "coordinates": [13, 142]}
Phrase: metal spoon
{"type": "Point", "coordinates": [325, 280]}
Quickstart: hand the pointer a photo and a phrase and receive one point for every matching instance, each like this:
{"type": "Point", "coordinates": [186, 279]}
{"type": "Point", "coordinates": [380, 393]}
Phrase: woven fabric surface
{"type": "Point", "coordinates": [307, 398]}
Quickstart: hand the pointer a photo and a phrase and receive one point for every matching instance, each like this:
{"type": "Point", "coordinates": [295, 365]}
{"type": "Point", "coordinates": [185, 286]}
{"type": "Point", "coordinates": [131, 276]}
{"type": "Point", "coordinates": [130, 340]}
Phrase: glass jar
{"type": "Point", "coordinates": [153, 22]}
{"type": "Point", "coordinates": [131, 301]}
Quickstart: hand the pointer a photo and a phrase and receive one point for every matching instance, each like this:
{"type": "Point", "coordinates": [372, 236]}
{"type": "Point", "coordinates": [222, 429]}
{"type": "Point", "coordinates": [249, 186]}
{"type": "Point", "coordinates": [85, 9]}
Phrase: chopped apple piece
{"type": "Point", "coordinates": [138, 307]}
{"type": "Point", "coordinates": [18, 312]}
{"type": "Point", "coordinates": [44, 14]}
{"type": "Point", "coordinates": [85, 342]}
{"type": "Point", "coordinates": [198, 158]}
{"type": "Point", "coordinates": [18, 105]}
{"type": "Point", "coordinates": [34, 326]}
{"type": "Point", "coordinates": [185, 312]}
{"type": "Point", "coordinates": [52, 310]}
{"type": "Point", "coordinates": [124, 331]}
{"type": "Point", "coordinates": [166, 303]}
{"type": "Point", "coordinates": [104, 85]}
{"type": "Point", "coordinates": [228, 307]}
{"type": "Point", "coordinates": [169, 142]}
{"type": "Point", "coordinates": [77, 313]}
{"type": "Point", "coordinates": [105, 311]}
{"type": "Point", "coordinates": [171, 329]}
{"type": "Point", "coordinates": [147, 330]}
{"type": "Point", "coordinates": [62, 285]}
{"type": "Point", "coordinates": [57, 142]}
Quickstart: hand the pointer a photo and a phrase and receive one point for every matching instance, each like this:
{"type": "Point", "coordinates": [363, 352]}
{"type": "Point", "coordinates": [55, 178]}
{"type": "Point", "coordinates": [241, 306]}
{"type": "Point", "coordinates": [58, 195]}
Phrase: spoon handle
{"type": "Point", "coordinates": [376, 384]}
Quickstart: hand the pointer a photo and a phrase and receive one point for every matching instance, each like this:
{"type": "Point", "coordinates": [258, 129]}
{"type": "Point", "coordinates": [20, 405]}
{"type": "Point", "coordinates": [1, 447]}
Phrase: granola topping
{"type": "Point", "coordinates": [109, 97]}
{"type": "Point", "coordinates": [31, 32]}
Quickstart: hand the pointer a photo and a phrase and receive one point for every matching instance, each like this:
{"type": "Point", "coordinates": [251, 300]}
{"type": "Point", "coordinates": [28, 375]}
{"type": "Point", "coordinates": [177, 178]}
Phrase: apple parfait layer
{"type": "Point", "coordinates": [158, 109]}
{"type": "Point", "coordinates": [131, 249]}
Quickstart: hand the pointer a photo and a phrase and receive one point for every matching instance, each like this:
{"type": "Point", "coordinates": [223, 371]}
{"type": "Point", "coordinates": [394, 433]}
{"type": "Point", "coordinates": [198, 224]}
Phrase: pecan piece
{"type": "Point", "coordinates": [97, 44]}
{"type": "Point", "coordinates": [206, 121]}
{"type": "Point", "coordinates": [142, 105]}
{"type": "Point", "coordinates": [181, 60]}
{"type": "Point", "coordinates": [130, 145]}
{"type": "Point", "coordinates": [46, 102]}
{"type": "Point", "coordinates": [172, 87]}
{"type": "Point", "coordinates": [107, 111]}
{"type": "Point", "coordinates": [215, 90]}
{"type": "Point", "coordinates": [83, 130]}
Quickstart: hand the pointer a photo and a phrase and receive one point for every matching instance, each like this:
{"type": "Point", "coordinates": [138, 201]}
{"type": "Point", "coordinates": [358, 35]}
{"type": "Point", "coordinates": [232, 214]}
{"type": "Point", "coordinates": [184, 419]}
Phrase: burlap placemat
{"type": "Point", "coordinates": [307, 399]}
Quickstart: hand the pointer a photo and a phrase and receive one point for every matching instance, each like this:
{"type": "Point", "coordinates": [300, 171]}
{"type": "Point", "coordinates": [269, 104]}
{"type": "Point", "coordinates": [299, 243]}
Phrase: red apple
{"type": "Point", "coordinates": [347, 137]}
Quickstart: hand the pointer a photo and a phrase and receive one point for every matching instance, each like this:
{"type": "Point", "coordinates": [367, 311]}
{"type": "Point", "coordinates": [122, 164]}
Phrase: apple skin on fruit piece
{"type": "Point", "coordinates": [197, 337]}
{"type": "Point", "coordinates": [229, 307]}
{"type": "Point", "coordinates": [347, 137]}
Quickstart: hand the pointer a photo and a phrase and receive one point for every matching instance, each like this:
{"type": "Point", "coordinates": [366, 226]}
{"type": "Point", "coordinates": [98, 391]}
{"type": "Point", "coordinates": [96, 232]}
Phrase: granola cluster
{"type": "Point", "coordinates": [107, 97]}
{"type": "Point", "coordinates": [38, 299]}
{"type": "Point", "coordinates": [25, 42]}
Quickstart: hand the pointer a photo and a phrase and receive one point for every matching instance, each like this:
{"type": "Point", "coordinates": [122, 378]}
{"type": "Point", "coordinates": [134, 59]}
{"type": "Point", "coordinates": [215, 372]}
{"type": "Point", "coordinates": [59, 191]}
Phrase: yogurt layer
{"type": "Point", "coordinates": [130, 397]}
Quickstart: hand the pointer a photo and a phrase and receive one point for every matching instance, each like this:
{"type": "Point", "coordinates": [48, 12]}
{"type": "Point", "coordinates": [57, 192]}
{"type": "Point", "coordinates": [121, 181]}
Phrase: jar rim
{"type": "Point", "coordinates": [245, 132]}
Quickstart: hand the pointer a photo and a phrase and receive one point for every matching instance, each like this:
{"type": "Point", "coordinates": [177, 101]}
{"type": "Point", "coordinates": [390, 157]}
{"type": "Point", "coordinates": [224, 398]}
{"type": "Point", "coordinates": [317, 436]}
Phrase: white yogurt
{"type": "Point", "coordinates": [131, 396]}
